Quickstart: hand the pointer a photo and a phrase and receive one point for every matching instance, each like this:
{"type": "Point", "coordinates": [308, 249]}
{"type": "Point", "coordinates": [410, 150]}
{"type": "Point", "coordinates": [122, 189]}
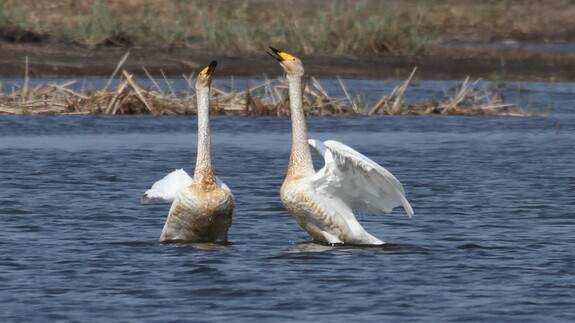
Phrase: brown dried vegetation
{"type": "Point", "coordinates": [270, 98]}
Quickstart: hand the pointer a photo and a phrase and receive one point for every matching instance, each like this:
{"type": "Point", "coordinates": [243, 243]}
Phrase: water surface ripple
{"type": "Point", "coordinates": [492, 236]}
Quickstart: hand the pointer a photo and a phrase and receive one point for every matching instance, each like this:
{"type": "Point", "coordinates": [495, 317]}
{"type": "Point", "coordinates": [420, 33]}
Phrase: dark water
{"type": "Point", "coordinates": [493, 237]}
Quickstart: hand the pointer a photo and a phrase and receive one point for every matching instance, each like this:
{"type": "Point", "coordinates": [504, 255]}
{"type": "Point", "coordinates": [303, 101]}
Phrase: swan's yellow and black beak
{"type": "Point", "coordinates": [278, 55]}
{"type": "Point", "coordinates": [209, 69]}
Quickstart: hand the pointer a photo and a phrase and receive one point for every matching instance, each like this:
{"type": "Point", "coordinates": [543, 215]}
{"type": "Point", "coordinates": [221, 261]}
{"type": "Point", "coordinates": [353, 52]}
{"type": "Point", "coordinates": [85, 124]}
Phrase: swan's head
{"type": "Point", "coordinates": [205, 76]}
{"type": "Point", "coordinates": [291, 64]}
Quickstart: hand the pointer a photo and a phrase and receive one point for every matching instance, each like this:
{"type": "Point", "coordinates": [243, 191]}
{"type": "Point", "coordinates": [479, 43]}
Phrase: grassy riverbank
{"type": "Point", "coordinates": [311, 27]}
{"type": "Point", "coordinates": [357, 39]}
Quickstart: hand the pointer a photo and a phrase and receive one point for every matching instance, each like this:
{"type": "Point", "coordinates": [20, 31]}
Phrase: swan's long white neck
{"type": "Point", "coordinates": [204, 172]}
{"type": "Point", "coordinates": [300, 162]}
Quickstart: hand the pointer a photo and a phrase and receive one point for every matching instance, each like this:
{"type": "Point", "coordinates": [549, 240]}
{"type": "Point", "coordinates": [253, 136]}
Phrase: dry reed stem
{"type": "Point", "coordinates": [401, 91]}
{"type": "Point", "coordinates": [116, 70]}
{"type": "Point", "coordinates": [26, 80]}
{"type": "Point", "coordinates": [152, 79]}
{"type": "Point", "coordinates": [131, 98]}
{"type": "Point", "coordinates": [138, 90]}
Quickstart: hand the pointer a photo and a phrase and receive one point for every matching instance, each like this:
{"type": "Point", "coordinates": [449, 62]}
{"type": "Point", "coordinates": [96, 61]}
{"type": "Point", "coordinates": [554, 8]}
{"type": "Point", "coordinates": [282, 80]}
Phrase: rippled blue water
{"type": "Point", "coordinates": [493, 234]}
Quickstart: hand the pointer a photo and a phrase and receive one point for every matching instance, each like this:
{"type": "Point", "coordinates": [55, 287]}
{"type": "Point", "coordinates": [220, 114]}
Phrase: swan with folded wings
{"type": "Point", "coordinates": [323, 202]}
{"type": "Point", "coordinates": [202, 207]}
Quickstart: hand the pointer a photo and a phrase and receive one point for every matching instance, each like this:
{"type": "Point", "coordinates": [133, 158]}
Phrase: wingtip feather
{"type": "Point", "coordinates": [408, 209]}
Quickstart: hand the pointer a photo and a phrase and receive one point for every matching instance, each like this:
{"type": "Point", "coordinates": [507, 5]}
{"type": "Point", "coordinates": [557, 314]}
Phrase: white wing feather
{"type": "Point", "coordinates": [168, 187]}
{"type": "Point", "coordinates": [322, 150]}
{"type": "Point", "coordinates": [353, 231]}
{"type": "Point", "coordinates": [223, 185]}
{"type": "Point", "coordinates": [357, 180]}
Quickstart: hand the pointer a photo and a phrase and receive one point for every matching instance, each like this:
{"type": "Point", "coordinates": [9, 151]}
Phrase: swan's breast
{"type": "Point", "coordinates": [303, 203]}
{"type": "Point", "coordinates": [200, 215]}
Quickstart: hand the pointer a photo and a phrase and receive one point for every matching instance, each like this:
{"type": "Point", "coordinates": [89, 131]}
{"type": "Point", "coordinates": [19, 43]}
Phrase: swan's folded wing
{"type": "Point", "coordinates": [168, 187]}
{"type": "Point", "coordinates": [328, 214]}
{"type": "Point", "coordinates": [223, 185]}
{"type": "Point", "coordinates": [362, 183]}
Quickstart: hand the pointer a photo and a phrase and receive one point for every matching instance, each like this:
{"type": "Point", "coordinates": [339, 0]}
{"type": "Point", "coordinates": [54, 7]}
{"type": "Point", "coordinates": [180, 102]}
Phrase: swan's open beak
{"type": "Point", "coordinates": [211, 67]}
{"type": "Point", "coordinates": [275, 55]}
{"type": "Point", "coordinates": [279, 56]}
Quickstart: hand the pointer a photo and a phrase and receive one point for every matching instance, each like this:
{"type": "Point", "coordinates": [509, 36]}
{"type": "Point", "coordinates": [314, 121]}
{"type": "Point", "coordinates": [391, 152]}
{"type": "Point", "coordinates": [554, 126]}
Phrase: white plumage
{"type": "Point", "coordinates": [168, 187]}
{"type": "Point", "coordinates": [357, 180]}
{"type": "Point", "coordinates": [323, 202]}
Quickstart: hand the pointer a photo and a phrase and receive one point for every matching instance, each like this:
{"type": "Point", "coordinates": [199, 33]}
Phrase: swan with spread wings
{"type": "Point", "coordinates": [323, 202]}
{"type": "Point", "coordinates": [202, 207]}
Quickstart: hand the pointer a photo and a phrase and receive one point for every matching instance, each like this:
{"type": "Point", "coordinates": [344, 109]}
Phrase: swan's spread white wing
{"type": "Point", "coordinates": [322, 150]}
{"type": "Point", "coordinates": [168, 187]}
{"type": "Point", "coordinates": [357, 180]}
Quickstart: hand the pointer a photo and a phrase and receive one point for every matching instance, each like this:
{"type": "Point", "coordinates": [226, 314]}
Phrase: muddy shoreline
{"type": "Point", "coordinates": [437, 62]}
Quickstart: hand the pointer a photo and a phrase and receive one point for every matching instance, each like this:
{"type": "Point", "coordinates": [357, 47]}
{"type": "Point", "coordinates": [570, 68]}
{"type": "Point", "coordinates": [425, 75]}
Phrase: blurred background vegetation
{"type": "Point", "coordinates": [341, 27]}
